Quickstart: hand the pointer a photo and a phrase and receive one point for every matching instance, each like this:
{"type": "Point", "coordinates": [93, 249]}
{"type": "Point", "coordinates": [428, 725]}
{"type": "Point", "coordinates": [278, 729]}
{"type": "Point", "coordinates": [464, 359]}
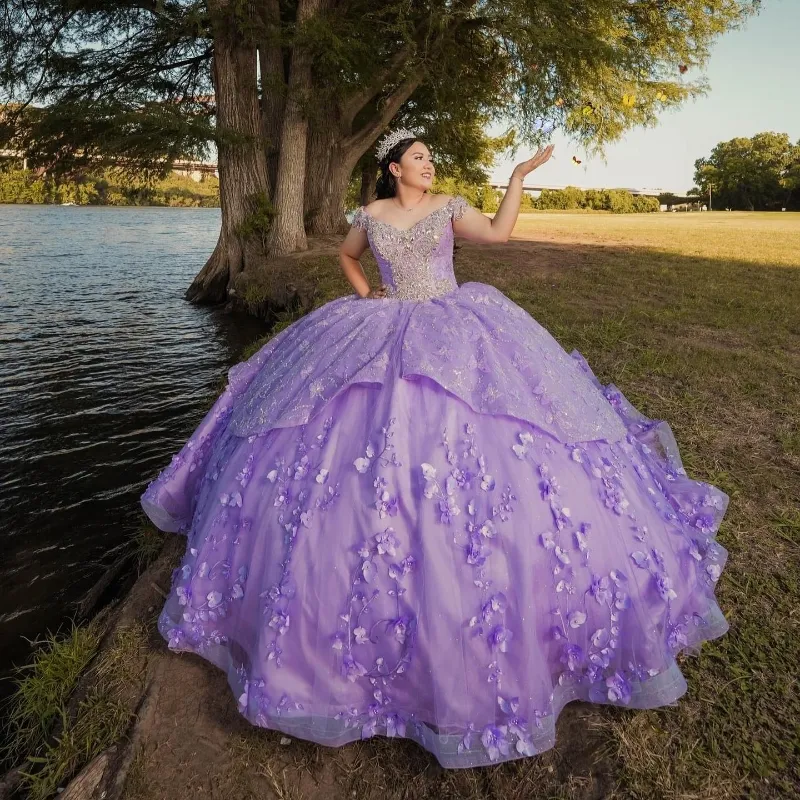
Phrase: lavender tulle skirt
{"type": "Point", "coordinates": [426, 520]}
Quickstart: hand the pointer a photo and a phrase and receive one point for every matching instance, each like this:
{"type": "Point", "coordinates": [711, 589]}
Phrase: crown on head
{"type": "Point", "coordinates": [391, 139]}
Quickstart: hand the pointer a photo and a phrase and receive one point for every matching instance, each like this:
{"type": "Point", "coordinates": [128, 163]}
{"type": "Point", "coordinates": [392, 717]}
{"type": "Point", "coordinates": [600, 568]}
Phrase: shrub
{"type": "Point", "coordinates": [621, 202]}
{"type": "Point", "coordinates": [598, 200]}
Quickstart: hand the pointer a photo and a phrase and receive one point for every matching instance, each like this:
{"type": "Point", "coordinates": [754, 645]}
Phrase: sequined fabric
{"type": "Point", "coordinates": [471, 339]}
{"type": "Point", "coordinates": [415, 263]}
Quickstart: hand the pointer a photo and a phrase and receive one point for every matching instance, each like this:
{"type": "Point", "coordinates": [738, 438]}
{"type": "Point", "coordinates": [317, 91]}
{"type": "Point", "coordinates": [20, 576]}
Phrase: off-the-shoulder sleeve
{"type": "Point", "coordinates": [360, 219]}
{"type": "Point", "coordinates": [458, 206]}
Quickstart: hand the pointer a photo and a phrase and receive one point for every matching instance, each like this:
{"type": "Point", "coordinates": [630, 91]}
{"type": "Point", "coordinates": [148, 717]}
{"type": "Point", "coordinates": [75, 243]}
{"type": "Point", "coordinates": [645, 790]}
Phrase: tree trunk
{"type": "Point", "coordinates": [330, 216]}
{"type": "Point", "coordinates": [322, 136]}
{"type": "Point", "coordinates": [288, 233]}
{"type": "Point", "coordinates": [344, 147]}
{"type": "Point", "coordinates": [273, 86]}
{"type": "Point", "coordinates": [369, 180]}
{"type": "Point", "coordinates": [241, 160]}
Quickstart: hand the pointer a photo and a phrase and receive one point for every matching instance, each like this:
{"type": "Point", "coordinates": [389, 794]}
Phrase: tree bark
{"type": "Point", "coordinates": [329, 217]}
{"type": "Point", "coordinates": [241, 159]}
{"type": "Point", "coordinates": [369, 181]}
{"type": "Point", "coordinates": [273, 86]}
{"type": "Point", "coordinates": [347, 147]}
{"type": "Point", "coordinates": [288, 233]}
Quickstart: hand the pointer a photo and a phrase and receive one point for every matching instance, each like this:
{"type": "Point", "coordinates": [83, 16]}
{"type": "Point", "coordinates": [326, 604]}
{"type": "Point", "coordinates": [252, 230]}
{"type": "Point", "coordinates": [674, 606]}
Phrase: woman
{"type": "Point", "coordinates": [413, 514]}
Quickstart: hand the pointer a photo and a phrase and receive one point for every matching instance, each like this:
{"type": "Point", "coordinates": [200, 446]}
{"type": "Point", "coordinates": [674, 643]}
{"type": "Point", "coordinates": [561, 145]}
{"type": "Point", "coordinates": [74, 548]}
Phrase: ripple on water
{"type": "Point", "coordinates": [104, 371]}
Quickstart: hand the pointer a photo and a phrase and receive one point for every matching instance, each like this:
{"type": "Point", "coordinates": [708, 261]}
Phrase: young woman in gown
{"type": "Point", "coordinates": [413, 514]}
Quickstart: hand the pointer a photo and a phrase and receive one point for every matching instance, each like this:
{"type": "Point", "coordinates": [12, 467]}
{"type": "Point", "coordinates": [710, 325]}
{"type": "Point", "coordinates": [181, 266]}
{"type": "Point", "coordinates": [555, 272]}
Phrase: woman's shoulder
{"type": "Point", "coordinates": [376, 205]}
{"type": "Point", "coordinates": [458, 206]}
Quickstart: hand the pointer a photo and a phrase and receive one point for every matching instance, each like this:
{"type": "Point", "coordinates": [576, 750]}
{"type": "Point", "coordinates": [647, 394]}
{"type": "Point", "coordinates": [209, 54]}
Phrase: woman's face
{"type": "Point", "coordinates": [415, 169]}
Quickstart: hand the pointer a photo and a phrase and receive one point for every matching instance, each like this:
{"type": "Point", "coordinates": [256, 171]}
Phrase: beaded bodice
{"type": "Point", "coordinates": [415, 263]}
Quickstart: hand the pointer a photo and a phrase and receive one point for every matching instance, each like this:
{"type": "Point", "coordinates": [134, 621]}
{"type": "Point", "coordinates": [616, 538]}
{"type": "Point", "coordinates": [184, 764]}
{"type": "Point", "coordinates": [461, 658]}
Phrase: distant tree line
{"type": "Point", "coordinates": [618, 201]}
{"type": "Point", "coordinates": [757, 174]}
{"type": "Point", "coordinates": [107, 188]}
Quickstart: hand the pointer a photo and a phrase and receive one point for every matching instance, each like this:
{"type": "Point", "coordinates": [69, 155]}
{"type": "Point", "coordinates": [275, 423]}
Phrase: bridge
{"type": "Point", "coordinates": [536, 188]}
{"type": "Point", "coordinates": [193, 169]}
{"type": "Point", "coordinates": [196, 170]}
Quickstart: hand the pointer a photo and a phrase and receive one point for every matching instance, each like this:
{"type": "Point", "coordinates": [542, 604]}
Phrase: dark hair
{"type": "Point", "coordinates": [387, 183]}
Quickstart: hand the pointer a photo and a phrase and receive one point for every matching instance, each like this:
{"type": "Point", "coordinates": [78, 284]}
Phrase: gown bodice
{"type": "Point", "coordinates": [415, 263]}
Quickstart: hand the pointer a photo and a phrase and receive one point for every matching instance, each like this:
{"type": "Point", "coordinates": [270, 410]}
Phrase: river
{"type": "Point", "coordinates": [105, 370]}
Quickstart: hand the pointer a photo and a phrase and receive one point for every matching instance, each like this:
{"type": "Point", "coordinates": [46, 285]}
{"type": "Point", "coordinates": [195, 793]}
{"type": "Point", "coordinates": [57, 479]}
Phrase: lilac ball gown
{"type": "Point", "coordinates": [419, 517]}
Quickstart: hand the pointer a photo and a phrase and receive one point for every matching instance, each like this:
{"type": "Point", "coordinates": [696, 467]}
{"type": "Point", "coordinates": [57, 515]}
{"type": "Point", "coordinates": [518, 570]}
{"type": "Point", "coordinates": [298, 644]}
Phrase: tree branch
{"type": "Point", "coordinates": [357, 101]}
{"type": "Point", "coordinates": [185, 63]}
{"type": "Point", "coordinates": [364, 137]}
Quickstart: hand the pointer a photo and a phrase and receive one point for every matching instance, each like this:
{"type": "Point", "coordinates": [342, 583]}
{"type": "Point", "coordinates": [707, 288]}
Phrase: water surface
{"type": "Point", "coordinates": [104, 372]}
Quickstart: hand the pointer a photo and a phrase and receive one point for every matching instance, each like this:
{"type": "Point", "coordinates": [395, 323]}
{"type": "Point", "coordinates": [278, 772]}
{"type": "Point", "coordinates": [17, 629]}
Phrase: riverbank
{"type": "Point", "coordinates": [693, 317]}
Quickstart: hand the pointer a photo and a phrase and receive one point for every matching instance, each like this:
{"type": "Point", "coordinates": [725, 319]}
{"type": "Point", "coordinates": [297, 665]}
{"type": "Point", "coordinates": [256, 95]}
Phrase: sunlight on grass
{"type": "Point", "coordinates": [757, 238]}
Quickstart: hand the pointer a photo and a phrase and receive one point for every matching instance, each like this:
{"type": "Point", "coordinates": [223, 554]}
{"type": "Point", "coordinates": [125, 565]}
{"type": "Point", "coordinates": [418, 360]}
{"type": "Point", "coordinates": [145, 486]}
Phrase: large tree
{"type": "Point", "coordinates": [147, 80]}
{"type": "Point", "coordinates": [761, 173]}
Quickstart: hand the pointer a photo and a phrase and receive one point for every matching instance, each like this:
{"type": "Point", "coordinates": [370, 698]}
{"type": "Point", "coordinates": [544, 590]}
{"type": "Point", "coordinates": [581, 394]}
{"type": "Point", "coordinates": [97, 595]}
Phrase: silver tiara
{"type": "Point", "coordinates": [391, 139]}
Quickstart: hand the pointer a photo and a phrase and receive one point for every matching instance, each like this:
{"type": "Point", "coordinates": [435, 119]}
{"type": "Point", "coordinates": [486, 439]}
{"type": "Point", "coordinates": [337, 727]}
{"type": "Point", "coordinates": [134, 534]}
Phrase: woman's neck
{"type": "Point", "coordinates": [408, 197]}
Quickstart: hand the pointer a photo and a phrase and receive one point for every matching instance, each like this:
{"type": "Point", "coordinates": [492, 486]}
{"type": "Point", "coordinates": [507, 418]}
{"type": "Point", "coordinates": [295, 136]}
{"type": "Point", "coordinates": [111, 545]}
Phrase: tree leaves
{"type": "Point", "coordinates": [760, 173]}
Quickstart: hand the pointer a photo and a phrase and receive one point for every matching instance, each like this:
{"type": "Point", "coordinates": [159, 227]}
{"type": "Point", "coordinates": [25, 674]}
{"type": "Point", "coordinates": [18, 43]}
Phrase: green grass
{"type": "Point", "coordinates": [44, 686]}
{"type": "Point", "coordinates": [696, 319]}
{"type": "Point", "coordinates": [146, 543]}
{"type": "Point", "coordinates": [55, 731]}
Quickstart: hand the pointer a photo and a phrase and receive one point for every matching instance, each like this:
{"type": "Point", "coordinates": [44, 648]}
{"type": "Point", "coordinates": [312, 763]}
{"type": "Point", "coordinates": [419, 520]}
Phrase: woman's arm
{"type": "Point", "coordinates": [479, 228]}
{"type": "Point", "coordinates": [353, 247]}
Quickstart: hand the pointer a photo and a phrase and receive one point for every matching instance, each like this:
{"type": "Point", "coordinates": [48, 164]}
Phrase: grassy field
{"type": "Point", "coordinates": [695, 317]}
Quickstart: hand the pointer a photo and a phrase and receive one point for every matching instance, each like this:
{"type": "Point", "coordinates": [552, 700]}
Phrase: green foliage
{"type": "Point", "coordinates": [489, 199]}
{"type": "Point", "coordinates": [643, 204]}
{"type": "Point", "coordinates": [44, 686]}
{"type": "Point", "coordinates": [471, 192]}
{"type": "Point", "coordinates": [618, 201]}
{"type": "Point", "coordinates": [123, 81]}
{"type": "Point", "coordinates": [96, 721]}
{"type": "Point", "coordinates": [147, 543]}
{"type": "Point", "coordinates": [259, 221]}
{"type": "Point", "coordinates": [757, 174]}
{"type": "Point", "coordinates": [553, 199]}
{"type": "Point", "coordinates": [598, 199]}
{"type": "Point", "coordinates": [107, 187]}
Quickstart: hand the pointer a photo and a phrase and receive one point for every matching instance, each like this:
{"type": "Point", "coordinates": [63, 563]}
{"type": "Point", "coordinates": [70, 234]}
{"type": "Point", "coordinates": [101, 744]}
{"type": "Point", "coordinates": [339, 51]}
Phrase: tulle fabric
{"type": "Point", "coordinates": [402, 564]}
{"type": "Point", "coordinates": [473, 341]}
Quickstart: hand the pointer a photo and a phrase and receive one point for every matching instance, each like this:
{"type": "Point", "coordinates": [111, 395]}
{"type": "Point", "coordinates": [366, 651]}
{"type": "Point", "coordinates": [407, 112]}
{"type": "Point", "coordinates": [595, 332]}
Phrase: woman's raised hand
{"type": "Point", "coordinates": [539, 157]}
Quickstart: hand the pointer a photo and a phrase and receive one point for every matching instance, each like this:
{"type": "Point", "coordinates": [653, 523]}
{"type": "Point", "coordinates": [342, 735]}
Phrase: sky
{"type": "Point", "coordinates": [754, 87]}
